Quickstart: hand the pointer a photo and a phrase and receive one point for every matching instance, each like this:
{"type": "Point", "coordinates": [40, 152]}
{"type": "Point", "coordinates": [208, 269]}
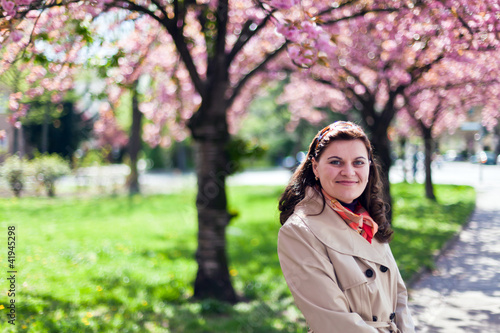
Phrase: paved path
{"type": "Point", "coordinates": [463, 293]}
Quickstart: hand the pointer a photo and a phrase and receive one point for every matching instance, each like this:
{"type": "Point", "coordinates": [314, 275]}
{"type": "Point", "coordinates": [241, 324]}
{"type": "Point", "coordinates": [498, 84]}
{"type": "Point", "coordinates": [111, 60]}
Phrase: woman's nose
{"type": "Point", "coordinates": [347, 170]}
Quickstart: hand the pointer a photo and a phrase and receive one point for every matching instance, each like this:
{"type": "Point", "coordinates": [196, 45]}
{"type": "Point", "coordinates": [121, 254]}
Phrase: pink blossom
{"type": "Point", "coordinates": [14, 101]}
{"type": "Point", "coordinates": [290, 32]}
{"type": "Point", "coordinates": [56, 98]}
{"type": "Point", "coordinates": [11, 119]}
{"type": "Point", "coordinates": [34, 92]}
{"type": "Point", "coordinates": [311, 29]}
{"type": "Point", "coordinates": [152, 135]}
{"type": "Point", "coordinates": [323, 43]}
{"type": "Point", "coordinates": [284, 4]}
{"type": "Point", "coordinates": [294, 51]}
{"type": "Point", "coordinates": [107, 130]}
{"type": "Point", "coordinates": [9, 7]}
{"type": "Point", "coordinates": [16, 36]}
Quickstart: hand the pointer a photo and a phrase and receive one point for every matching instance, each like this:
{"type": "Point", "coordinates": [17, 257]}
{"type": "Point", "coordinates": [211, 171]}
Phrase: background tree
{"type": "Point", "coordinates": [440, 100]}
{"type": "Point", "coordinates": [172, 98]}
{"type": "Point", "coordinates": [369, 67]}
{"type": "Point", "coordinates": [368, 62]}
{"type": "Point", "coordinates": [222, 47]}
{"type": "Point", "coordinates": [123, 72]}
{"type": "Point", "coordinates": [38, 72]}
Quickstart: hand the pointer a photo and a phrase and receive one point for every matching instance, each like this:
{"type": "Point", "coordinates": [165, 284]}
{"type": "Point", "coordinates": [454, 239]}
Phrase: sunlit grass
{"type": "Point", "coordinates": [119, 264]}
{"type": "Point", "coordinates": [423, 226]}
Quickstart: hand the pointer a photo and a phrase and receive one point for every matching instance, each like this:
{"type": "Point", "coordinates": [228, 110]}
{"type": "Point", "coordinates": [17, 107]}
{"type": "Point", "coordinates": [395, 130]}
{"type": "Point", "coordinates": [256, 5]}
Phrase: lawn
{"type": "Point", "coordinates": [120, 264]}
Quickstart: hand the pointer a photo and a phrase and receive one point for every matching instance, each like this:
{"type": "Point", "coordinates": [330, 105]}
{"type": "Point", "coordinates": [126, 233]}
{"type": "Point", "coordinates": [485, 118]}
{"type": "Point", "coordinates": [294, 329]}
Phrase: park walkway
{"type": "Point", "coordinates": [463, 293]}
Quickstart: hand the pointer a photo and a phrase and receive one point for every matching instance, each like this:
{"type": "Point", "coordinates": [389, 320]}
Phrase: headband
{"type": "Point", "coordinates": [338, 125]}
{"type": "Point", "coordinates": [341, 125]}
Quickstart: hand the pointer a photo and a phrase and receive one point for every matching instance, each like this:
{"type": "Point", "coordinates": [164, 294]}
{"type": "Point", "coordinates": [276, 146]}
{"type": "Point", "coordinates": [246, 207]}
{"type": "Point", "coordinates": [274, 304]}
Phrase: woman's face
{"type": "Point", "coordinates": [343, 169]}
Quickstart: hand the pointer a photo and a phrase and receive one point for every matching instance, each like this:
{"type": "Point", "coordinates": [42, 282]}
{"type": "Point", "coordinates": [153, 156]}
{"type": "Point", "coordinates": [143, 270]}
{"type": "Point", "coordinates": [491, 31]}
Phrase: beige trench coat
{"type": "Point", "coordinates": [339, 281]}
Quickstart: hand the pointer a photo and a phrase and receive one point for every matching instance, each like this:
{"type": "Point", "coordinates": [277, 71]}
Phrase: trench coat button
{"type": "Point", "coordinates": [375, 318]}
{"type": "Point", "coordinates": [383, 269]}
{"type": "Point", "coordinates": [369, 273]}
{"type": "Point", "coordinates": [392, 316]}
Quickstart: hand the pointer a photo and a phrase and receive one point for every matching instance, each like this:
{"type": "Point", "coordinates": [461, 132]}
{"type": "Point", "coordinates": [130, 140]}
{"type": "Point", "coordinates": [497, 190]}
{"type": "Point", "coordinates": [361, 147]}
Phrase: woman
{"type": "Point", "coordinates": [333, 243]}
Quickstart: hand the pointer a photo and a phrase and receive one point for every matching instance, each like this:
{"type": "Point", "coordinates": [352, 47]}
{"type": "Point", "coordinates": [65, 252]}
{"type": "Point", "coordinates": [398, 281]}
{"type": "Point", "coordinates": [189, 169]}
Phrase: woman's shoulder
{"type": "Point", "coordinates": [295, 221]}
{"type": "Point", "coordinates": [306, 225]}
{"type": "Point", "coordinates": [309, 205]}
{"type": "Point", "coordinates": [297, 226]}
{"type": "Point", "coordinates": [296, 233]}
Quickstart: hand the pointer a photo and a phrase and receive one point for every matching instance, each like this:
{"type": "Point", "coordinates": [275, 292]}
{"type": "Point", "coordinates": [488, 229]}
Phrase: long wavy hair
{"type": "Point", "coordinates": [303, 177]}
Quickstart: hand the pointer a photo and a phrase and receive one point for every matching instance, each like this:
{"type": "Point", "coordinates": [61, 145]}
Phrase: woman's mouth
{"type": "Point", "coordinates": [347, 182]}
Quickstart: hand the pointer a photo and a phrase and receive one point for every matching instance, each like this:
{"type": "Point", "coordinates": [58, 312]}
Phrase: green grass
{"type": "Point", "coordinates": [119, 264]}
{"type": "Point", "coordinates": [423, 226]}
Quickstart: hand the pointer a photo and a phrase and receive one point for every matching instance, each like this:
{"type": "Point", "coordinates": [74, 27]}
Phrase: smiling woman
{"type": "Point", "coordinates": [333, 245]}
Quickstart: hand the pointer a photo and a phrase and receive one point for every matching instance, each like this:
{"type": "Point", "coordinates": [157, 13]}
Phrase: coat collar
{"type": "Point", "coordinates": [332, 230]}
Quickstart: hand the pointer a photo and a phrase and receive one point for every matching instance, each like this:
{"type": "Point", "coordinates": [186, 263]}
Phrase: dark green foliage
{"type": "Point", "coordinates": [241, 151]}
{"type": "Point", "coordinates": [66, 128]}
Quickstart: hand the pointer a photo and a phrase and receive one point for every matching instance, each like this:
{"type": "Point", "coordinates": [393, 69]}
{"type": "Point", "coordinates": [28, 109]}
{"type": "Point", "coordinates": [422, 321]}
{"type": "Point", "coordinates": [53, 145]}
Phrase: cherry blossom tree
{"type": "Point", "coordinates": [368, 62]}
{"type": "Point", "coordinates": [370, 66]}
{"type": "Point", "coordinates": [37, 70]}
{"type": "Point", "coordinates": [464, 23]}
{"type": "Point", "coordinates": [227, 72]}
{"type": "Point", "coordinates": [440, 100]}
{"type": "Point", "coordinates": [123, 71]}
{"type": "Point", "coordinates": [223, 48]}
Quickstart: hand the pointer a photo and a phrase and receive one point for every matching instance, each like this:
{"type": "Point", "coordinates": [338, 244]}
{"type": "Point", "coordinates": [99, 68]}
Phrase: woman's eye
{"type": "Point", "coordinates": [335, 162]}
{"type": "Point", "coordinates": [359, 163]}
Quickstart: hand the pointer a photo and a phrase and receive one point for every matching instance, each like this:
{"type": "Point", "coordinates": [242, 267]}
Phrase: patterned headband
{"type": "Point", "coordinates": [338, 125]}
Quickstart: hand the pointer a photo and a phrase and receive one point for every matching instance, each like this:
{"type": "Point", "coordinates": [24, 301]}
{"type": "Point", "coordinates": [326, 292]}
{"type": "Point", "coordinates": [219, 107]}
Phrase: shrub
{"type": "Point", "coordinates": [14, 171]}
{"type": "Point", "coordinates": [48, 168]}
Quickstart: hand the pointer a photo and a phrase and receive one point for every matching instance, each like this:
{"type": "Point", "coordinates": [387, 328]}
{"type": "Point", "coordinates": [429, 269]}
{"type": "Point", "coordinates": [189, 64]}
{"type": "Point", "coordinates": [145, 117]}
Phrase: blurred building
{"type": "Point", "coordinates": [471, 138]}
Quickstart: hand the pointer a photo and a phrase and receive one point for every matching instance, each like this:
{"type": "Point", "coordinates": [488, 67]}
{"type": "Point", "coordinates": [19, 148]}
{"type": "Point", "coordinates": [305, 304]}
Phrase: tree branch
{"type": "Point", "coordinates": [363, 101]}
{"type": "Point", "coordinates": [329, 10]}
{"type": "Point", "coordinates": [222, 20]}
{"type": "Point", "coordinates": [416, 73]}
{"type": "Point", "coordinates": [254, 71]}
{"type": "Point", "coordinates": [171, 26]}
{"type": "Point", "coordinates": [363, 13]}
{"type": "Point", "coordinates": [245, 36]}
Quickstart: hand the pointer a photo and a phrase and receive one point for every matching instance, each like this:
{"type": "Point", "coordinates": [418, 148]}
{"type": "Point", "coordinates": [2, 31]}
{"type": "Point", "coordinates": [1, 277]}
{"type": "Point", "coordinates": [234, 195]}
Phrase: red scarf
{"type": "Point", "coordinates": [360, 220]}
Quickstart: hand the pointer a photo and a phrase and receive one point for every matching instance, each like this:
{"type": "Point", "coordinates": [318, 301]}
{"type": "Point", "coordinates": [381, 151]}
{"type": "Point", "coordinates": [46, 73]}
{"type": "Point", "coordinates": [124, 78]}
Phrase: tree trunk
{"type": "Point", "coordinates": [212, 279]}
{"type": "Point", "coordinates": [428, 144]}
{"type": "Point", "coordinates": [377, 130]}
{"type": "Point", "coordinates": [15, 141]}
{"type": "Point", "coordinates": [210, 133]}
{"type": "Point", "coordinates": [45, 130]}
{"type": "Point", "coordinates": [51, 189]}
{"type": "Point", "coordinates": [402, 143]}
{"type": "Point", "coordinates": [134, 144]}
{"type": "Point", "coordinates": [382, 151]}
{"type": "Point", "coordinates": [181, 156]}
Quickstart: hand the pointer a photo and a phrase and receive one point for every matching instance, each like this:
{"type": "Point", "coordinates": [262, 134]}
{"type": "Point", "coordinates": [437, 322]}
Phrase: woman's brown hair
{"type": "Point", "coordinates": [303, 177]}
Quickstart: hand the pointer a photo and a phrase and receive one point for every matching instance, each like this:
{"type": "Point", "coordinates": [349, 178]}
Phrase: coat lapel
{"type": "Point", "coordinates": [332, 230]}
